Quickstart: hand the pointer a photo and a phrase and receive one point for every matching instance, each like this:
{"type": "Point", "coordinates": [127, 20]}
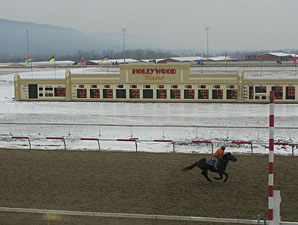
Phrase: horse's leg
{"type": "Point", "coordinates": [227, 176]}
{"type": "Point", "coordinates": [220, 177]}
{"type": "Point", "coordinates": [205, 174]}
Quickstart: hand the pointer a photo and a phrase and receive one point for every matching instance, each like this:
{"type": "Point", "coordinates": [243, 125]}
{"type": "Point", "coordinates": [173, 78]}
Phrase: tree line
{"type": "Point", "coordinates": [94, 55]}
{"type": "Point", "coordinates": [137, 54]}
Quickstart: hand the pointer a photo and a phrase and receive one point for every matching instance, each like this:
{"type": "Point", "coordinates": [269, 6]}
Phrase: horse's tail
{"type": "Point", "coordinates": [190, 167]}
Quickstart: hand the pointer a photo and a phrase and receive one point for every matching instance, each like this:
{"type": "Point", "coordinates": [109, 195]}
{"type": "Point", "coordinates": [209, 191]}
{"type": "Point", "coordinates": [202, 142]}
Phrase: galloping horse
{"type": "Point", "coordinates": [204, 166]}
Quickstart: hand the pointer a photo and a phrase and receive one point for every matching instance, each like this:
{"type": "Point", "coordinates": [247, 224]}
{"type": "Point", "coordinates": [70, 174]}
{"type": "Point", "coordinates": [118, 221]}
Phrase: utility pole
{"type": "Point", "coordinates": [207, 30]}
{"type": "Point", "coordinates": [27, 31]}
{"type": "Point", "coordinates": [123, 30]}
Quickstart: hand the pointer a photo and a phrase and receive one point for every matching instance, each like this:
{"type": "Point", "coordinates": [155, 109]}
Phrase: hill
{"type": "Point", "coordinates": [55, 40]}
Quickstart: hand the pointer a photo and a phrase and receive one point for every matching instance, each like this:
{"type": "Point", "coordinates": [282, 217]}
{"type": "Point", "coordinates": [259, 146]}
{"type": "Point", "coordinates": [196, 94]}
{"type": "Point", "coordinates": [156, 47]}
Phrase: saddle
{"type": "Point", "coordinates": [211, 162]}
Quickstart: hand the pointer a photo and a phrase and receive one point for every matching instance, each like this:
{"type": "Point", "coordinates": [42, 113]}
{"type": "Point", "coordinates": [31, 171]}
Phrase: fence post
{"type": "Point", "coordinates": [29, 143]}
{"type": "Point", "coordinates": [98, 144]}
{"type": "Point", "coordinates": [251, 147]}
{"type": "Point", "coordinates": [173, 146]}
{"type": "Point", "coordinates": [64, 143]}
{"type": "Point", "coordinates": [136, 145]}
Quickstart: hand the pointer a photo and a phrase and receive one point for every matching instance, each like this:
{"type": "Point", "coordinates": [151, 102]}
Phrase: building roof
{"type": "Point", "coordinates": [110, 61]}
{"type": "Point", "coordinates": [280, 54]}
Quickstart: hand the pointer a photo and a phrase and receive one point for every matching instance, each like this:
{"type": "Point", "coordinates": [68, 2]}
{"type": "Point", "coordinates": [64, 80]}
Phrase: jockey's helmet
{"type": "Point", "coordinates": [223, 147]}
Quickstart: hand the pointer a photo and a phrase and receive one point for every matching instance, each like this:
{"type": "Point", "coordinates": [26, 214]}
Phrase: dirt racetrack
{"type": "Point", "coordinates": [142, 183]}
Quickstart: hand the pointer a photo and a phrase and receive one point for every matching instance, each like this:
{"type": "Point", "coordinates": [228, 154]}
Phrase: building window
{"type": "Point", "coordinates": [146, 86]}
{"type": "Point", "coordinates": [251, 92]}
{"type": "Point", "coordinates": [175, 94]}
{"type": "Point", "coordinates": [94, 93]}
{"type": "Point", "coordinates": [148, 93]}
{"type": "Point", "coordinates": [189, 94]}
{"type": "Point", "coordinates": [120, 93]}
{"type": "Point", "coordinates": [217, 94]}
{"type": "Point", "coordinates": [231, 94]}
{"type": "Point", "coordinates": [290, 92]}
{"type": "Point", "coordinates": [81, 93]}
{"type": "Point", "coordinates": [260, 89]}
{"type": "Point", "coordinates": [107, 93]}
{"type": "Point", "coordinates": [60, 92]}
{"type": "Point", "coordinates": [161, 93]}
{"type": "Point", "coordinates": [174, 86]}
{"type": "Point", "coordinates": [134, 93]}
{"type": "Point", "coordinates": [203, 94]}
{"type": "Point", "coordinates": [133, 86]}
{"type": "Point", "coordinates": [278, 92]}
{"type": "Point", "coordinates": [120, 86]}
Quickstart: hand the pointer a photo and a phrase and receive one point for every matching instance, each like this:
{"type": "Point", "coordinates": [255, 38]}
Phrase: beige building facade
{"type": "Point", "coordinates": [155, 83]}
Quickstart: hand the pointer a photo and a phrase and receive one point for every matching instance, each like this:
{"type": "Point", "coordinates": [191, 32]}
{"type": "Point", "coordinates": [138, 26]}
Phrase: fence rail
{"type": "Point", "coordinates": [138, 216]}
{"type": "Point", "coordinates": [142, 125]}
{"type": "Point", "coordinates": [137, 140]}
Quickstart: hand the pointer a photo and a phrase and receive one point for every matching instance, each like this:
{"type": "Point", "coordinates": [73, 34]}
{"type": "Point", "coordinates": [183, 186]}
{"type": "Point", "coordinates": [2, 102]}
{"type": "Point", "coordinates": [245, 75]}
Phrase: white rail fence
{"type": "Point", "coordinates": [139, 216]}
{"type": "Point", "coordinates": [136, 141]}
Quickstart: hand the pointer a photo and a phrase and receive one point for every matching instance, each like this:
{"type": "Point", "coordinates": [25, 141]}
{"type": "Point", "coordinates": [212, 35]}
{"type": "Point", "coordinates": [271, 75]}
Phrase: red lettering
{"type": "Point", "coordinates": [151, 71]}
{"type": "Point", "coordinates": [157, 71]}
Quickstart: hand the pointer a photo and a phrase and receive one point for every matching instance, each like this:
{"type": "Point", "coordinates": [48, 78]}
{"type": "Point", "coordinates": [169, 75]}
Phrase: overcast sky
{"type": "Point", "coordinates": [234, 24]}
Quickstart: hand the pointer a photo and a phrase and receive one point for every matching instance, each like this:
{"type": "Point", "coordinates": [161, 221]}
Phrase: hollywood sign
{"type": "Point", "coordinates": [153, 71]}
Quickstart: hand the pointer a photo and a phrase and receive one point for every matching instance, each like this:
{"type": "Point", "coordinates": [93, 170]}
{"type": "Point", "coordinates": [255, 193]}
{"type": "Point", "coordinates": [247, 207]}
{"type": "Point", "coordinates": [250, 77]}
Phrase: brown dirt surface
{"type": "Point", "coordinates": [141, 183]}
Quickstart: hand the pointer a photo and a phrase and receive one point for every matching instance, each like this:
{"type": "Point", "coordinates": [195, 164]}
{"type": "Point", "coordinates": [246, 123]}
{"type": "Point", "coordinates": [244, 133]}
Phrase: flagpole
{"type": "Point", "coordinates": [295, 64]}
{"type": "Point", "coordinates": [31, 70]}
{"type": "Point", "coordinates": [261, 59]}
{"type": "Point", "coordinates": [82, 63]}
{"type": "Point", "coordinates": [55, 67]}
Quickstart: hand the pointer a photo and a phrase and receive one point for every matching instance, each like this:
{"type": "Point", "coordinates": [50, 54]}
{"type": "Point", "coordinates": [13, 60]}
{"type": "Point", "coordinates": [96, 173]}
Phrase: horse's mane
{"type": "Point", "coordinates": [227, 155]}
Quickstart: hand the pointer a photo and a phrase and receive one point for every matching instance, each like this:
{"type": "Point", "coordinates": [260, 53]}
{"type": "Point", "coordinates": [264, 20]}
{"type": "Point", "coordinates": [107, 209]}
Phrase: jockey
{"type": "Point", "coordinates": [218, 155]}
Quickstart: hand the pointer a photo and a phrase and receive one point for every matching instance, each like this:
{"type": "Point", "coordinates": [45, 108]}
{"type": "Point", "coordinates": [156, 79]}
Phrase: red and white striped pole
{"type": "Point", "coordinates": [271, 159]}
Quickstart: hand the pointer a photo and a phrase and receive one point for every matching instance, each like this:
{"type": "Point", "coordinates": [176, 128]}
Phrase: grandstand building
{"type": "Point", "coordinates": [156, 83]}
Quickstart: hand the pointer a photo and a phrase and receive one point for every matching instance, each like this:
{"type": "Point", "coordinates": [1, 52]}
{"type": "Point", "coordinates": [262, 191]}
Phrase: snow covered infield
{"type": "Point", "coordinates": [180, 122]}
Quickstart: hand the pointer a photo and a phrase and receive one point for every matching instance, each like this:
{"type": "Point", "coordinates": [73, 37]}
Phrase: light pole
{"type": "Point", "coordinates": [27, 31]}
{"type": "Point", "coordinates": [123, 30]}
{"type": "Point", "coordinates": [207, 30]}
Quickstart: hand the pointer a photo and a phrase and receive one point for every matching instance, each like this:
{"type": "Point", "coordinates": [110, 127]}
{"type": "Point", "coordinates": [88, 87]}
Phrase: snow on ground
{"type": "Point", "coordinates": [181, 122]}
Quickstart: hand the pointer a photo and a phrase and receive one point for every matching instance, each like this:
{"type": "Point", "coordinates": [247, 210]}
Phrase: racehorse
{"type": "Point", "coordinates": [204, 165]}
